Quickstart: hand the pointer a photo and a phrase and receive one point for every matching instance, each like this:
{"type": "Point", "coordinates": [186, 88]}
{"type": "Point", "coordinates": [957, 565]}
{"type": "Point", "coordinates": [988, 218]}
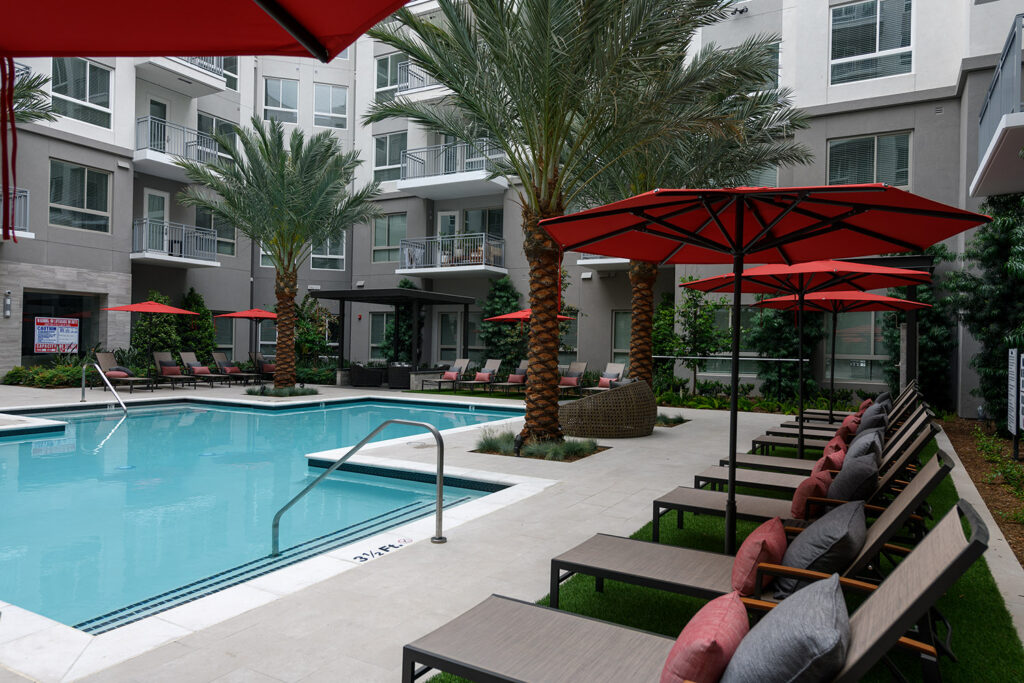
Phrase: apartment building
{"type": "Point", "coordinates": [894, 89]}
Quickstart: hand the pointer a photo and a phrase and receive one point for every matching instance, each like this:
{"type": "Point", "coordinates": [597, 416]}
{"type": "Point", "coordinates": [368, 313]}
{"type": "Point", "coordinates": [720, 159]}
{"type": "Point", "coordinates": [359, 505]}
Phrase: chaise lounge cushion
{"type": "Point", "coordinates": [707, 643]}
{"type": "Point", "coordinates": [766, 543]}
{"type": "Point", "coordinates": [856, 481]}
{"type": "Point", "coordinates": [828, 544]}
{"type": "Point", "coordinates": [804, 639]}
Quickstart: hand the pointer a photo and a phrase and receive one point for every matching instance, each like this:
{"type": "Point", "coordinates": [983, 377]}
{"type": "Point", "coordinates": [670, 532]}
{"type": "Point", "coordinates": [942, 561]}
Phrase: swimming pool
{"type": "Point", "coordinates": [114, 520]}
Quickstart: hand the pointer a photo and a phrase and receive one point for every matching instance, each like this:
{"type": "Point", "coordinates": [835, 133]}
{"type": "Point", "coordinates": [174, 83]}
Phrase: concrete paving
{"type": "Point", "coordinates": [352, 626]}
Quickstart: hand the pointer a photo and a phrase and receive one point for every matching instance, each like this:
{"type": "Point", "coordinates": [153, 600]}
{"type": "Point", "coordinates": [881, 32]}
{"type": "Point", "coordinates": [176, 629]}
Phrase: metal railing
{"type": "Point", "coordinates": [174, 239]}
{"type": "Point", "coordinates": [21, 70]}
{"type": "Point", "coordinates": [588, 257]}
{"type": "Point", "coordinates": [174, 140]}
{"type": "Point", "coordinates": [275, 530]}
{"type": "Point", "coordinates": [411, 78]}
{"type": "Point", "coordinates": [1005, 94]}
{"type": "Point", "coordinates": [214, 65]}
{"type": "Point", "coordinates": [455, 157]}
{"type": "Point", "coordinates": [105, 381]}
{"type": "Point", "coordinates": [445, 251]}
{"type": "Point", "coordinates": [19, 197]}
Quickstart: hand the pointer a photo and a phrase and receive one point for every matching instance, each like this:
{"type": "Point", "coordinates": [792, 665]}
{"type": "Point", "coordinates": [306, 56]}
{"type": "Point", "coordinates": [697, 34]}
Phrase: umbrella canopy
{"type": "Point", "coordinates": [151, 307]}
{"type": "Point", "coordinates": [519, 316]}
{"type": "Point", "coordinates": [761, 225]}
{"type": "Point", "coordinates": [251, 314]}
{"type": "Point", "coordinates": [836, 303]}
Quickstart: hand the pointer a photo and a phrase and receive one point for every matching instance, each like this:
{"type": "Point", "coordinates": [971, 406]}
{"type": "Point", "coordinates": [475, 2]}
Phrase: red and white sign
{"type": "Point", "coordinates": [56, 335]}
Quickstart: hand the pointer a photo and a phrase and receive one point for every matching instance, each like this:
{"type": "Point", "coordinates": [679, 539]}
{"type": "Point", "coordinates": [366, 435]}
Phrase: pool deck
{"type": "Point", "coordinates": [352, 626]}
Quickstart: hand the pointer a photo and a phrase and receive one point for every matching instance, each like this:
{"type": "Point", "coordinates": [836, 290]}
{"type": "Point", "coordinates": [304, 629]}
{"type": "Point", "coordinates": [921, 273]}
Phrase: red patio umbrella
{"type": "Point", "coordinates": [836, 303]}
{"type": "Point", "coordinates": [760, 225]}
{"type": "Point", "coordinates": [519, 316]}
{"type": "Point", "coordinates": [257, 315]}
{"type": "Point", "coordinates": [151, 307]}
{"type": "Point", "coordinates": [814, 276]}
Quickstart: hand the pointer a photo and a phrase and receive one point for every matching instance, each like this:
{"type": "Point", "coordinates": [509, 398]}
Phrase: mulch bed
{"type": "Point", "coordinates": [999, 500]}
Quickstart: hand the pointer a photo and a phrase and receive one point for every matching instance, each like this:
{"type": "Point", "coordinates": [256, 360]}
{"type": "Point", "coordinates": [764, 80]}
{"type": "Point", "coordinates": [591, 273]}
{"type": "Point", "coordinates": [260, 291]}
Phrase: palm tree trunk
{"type": "Point", "coordinates": [542, 375]}
{"type": "Point", "coordinates": [284, 363]}
{"type": "Point", "coordinates": [641, 345]}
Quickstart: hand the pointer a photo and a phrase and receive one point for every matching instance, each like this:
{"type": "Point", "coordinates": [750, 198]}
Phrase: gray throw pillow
{"type": "Point", "coordinates": [882, 397]}
{"type": "Point", "coordinates": [803, 640]}
{"type": "Point", "coordinates": [609, 375]}
{"type": "Point", "coordinates": [875, 416]}
{"type": "Point", "coordinates": [868, 442]}
{"type": "Point", "coordinates": [857, 479]}
{"type": "Point", "coordinates": [121, 368]}
{"type": "Point", "coordinates": [168, 364]}
{"type": "Point", "coordinates": [829, 544]}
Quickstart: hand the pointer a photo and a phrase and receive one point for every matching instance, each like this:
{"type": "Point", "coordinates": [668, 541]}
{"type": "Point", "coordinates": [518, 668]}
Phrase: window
{"type": "Point", "coordinates": [330, 105]}
{"type": "Point", "coordinates": [265, 261]}
{"type": "Point", "coordinates": [489, 221]}
{"type": "Point", "coordinates": [81, 90]}
{"type": "Point", "coordinates": [861, 353]}
{"type": "Point", "coordinates": [477, 352]}
{"type": "Point", "coordinates": [343, 54]}
{"type": "Point", "coordinates": [621, 331]}
{"type": "Point", "coordinates": [870, 159]}
{"type": "Point", "coordinates": [388, 233]}
{"type": "Point", "coordinates": [871, 40]}
{"type": "Point", "coordinates": [224, 337]}
{"type": "Point", "coordinates": [231, 73]}
{"type": "Point", "coordinates": [281, 100]}
{"type": "Point", "coordinates": [210, 125]}
{"type": "Point", "coordinates": [723, 320]}
{"type": "Point", "coordinates": [568, 342]}
{"type": "Point", "coordinates": [773, 82]}
{"type": "Point", "coordinates": [387, 76]}
{"type": "Point", "coordinates": [268, 337]}
{"type": "Point", "coordinates": [387, 159]}
{"type": "Point", "coordinates": [765, 177]}
{"type": "Point", "coordinates": [448, 336]}
{"type": "Point", "coordinates": [330, 255]}
{"type": "Point", "coordinates": [79, 197]}
{"type": "Point", "coordinates": [378, 341]}
{"type": "Point", "coordinates": [225, 231]}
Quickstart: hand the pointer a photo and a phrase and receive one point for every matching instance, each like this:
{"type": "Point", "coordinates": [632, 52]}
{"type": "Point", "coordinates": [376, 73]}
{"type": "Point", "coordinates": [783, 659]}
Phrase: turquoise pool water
{"type": "Point", "coordinates": [132, 517]}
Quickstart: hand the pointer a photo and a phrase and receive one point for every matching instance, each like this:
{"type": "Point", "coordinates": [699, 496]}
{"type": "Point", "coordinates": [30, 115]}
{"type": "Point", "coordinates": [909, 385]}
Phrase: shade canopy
{"type": "Point", "coordinates": [519, 316]}
{"type": "Point", "coordinates": [813, 276]}
{"type": "Point", "coordinates": [251, 314]}
{"type": "Point", "coordinates": [151, 307]}
{"type": "Point", "coordinates": [842, 302]}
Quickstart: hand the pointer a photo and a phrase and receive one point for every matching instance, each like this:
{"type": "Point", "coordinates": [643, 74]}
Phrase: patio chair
{"type": "Point", "coordinates": [627, 411]}
{"type": "Point", "coordinates": [167, 370]}
{"type": "Point", "coordinates": [612, 373]}
{"type": "Point", "coordinates": [572, 380]}
{"type": "Point", "coordinates": [264, 368]}
{"type": "Point", "coordinates": [459, 366]}
{"type": "Point", "coordinates": [118, 375]}
{"type": "Point", "coordinates": [490, 369]}
{"type": "Point", "coordinates": [821, 415]}
{"type": "Point", "coordinates": [226, 367]}
{"type": "Point", "coordinates": [502, 639]}
{"type": "Point", "coordinates": [516, 380]}
{"type": "Point", "coordinates": [196, 369]}
{"type": "Point", "coordinates": [896, 415]}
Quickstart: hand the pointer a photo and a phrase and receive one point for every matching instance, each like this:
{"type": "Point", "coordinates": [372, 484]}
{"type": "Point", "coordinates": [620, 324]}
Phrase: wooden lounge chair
{"type": "Point", "coordinates": [107, 363]}
{"type": "Point", "coordinates": [575, 372]}
{"type": "Point", "coordinates": [508, 385]}
{"type": "Point", "coordinates": [490, 368]}
{"type": "Point", "coordinates": [264, 368]}
{"type": "Point", "coordinates": [502, 639]}
{"type": "Point", "coordinates": [459, 366]}
{"type": "Point", "coordinates": [821, 415]}
{"type": "Point", "coordinates": [223, 365]}
{"type": "Point", "coordinates": [896, 415]}
{"type": "Point", "coordinates": [192, 364]}
{"type": "Point", "coordinates": [167, 370]}
{"type": "Point", "coordinates": [612, 373]}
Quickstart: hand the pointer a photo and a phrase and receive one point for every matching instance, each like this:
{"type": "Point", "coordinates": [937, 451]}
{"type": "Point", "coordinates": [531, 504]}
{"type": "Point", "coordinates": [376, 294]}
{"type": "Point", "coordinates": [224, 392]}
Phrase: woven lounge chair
{"type": "Point", "coordinates": [624, 412]}
{"type": "Point", "coordinates": [459, 366]}
{"type": "Point", "coordinates": [192, 364]}
{"type": "Point", "coordinates": [224, 367]}
{"type": "Point", "coordinates": [107, 363]}
{"type": "Point", "coordinates": [612, 373]}
{"type": "Point", "coordinates": [502, 639]}
{"type": "Point", "coordinates": [508, 385]}
{"type": "Point", "coordinates": [167, 370]}
{"type": "Point", "coordinates": [574, 373]}
{"type": "Point", "coordinates": [490, 368]}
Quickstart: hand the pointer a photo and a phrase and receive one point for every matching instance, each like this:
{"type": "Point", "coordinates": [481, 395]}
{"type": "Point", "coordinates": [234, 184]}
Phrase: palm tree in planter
{"type": "Point", "coordinates": [286, 198]}
{"type": "Point", "coordinates": [539, 87]}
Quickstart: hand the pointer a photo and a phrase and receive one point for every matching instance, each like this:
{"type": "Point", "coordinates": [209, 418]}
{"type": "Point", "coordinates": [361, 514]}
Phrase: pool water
{"type": "Point", "coordinates": [112, 512]}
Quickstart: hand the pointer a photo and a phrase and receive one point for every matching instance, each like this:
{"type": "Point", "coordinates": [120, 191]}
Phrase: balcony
{"type": "Point", "coordinates": [20, 198]}
{"type": "Point", "coordinates": [173, 245]}
{"type": "Point", "coordinates": [1001, 125]}
{"type": "Point", "coordinates": [452, 171]}
{"type": "Point", "coordinates": [158, 142]}
{"type": "Point", "coordinates": [452, 256]}
{"type": "Point", "coordinates": [190, 76]}
{"type": "Point", "coordinates": [21, 71]}
{"type": "Point", "coordinates": [602, 263]}
{"type": "Point", "coordinates": [412, 78]}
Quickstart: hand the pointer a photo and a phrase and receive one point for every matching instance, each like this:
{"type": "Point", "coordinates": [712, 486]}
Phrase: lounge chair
{"type": "Point", "coordinates": [821, 415]}
{"type": "Point", "coordinates": [572, 380]}
{"type": "Point", "coordinates": [108, 364]}
{"type": "Point", "coordinates": [490, 369]}
{"type": "Point", "coordinates": [167, 370]}
{"type": "Point", "coordinates": [226, 367]}
{"type": "Point", "coordinates": [195, 368]}
{"type": "Point", "coordinates": [516, 380]}
{"type": "Point", "coordinates": [459, 366]}
{"type": "Point", "coordinates": [896, 415]}
{"type": "Point", "coordinates": [612, 373]}
{"type": "Point", "coordinates": [627, 411]}
{"type": "Point", "coordinates": [502, 639]}
{"type": "Point", "coordinates": [264, 368]}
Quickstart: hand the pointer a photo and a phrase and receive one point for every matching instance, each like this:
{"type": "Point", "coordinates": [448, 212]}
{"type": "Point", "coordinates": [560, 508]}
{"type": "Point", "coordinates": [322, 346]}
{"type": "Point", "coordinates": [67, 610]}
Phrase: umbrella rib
{"type": "Point", "coordinates": [932, 213]}
{"type": "Point", "coordinates": [823, 225]}
{"type": "Point", "coordinates": [768, 227]}
{"type": "Point", "coordinates": [718, 221]}
{"type": "Point", "coordinates": [295, 29]}
{"type": "Point", "coordinates": [692, 237]}
{"type": "Point", "coordinates": [590, 215]}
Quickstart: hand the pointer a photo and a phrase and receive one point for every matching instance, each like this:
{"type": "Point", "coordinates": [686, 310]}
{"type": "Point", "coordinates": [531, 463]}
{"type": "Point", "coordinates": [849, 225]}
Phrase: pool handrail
{"type": "Point", "coordinates": [437, 538]}
{"type": "Point", "coordinates": [107, 382]}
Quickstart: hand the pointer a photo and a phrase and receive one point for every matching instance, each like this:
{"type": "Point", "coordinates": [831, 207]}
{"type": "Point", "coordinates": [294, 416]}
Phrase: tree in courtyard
{"type": "Point", "coordinates": [285, 197]}
{"type": "Point", "coordinates": [665, 342]}
{"type": "Point", "coordinates": [312, 325]}
{"type": "Point", "coordinates": [774, 334]}
{"type": "Point", "coordinates": [699, 335]}
{"type": "Point", "coordinates": [540, 87]}
{"type": "Point", "coordinates": [506, 341]}
{"type": "Point", "coordinates": [400, 326]}
{"type": "Point", "coordinates": [156, 331]}
{"type": "Point", "coordinates": [197, 332]}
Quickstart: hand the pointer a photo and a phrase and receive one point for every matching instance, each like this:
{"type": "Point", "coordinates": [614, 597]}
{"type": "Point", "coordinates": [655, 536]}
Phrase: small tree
{"type": "Point", "coordinates": [774, 334]}
{"type": "Point", "coordinates": [156, 331]}
{"type": "Point", "coordinates": [506, 341]}
{"type": "Point", "coordinates": [665, 342]}
{"type": "Point", "coordinates": [197, 332]}
{"type": "Point", "coordinates": [698, 333]}
{"type": "Point", "coordinates": [312, 322]}
{"type": "Point", "coordinates": [401, 326]}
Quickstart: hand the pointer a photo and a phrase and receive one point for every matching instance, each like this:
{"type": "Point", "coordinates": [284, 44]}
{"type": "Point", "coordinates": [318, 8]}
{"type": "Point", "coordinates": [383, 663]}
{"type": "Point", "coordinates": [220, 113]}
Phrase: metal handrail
{"type": "Point", "coordinates": [437, 538]}
{"type": "Point", "coordinates": [105, 381]}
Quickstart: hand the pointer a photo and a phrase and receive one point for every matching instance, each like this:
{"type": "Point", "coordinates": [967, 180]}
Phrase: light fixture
{"type": "Point", "coordinates": [7, 304]}
{"type": "Point", "coordinates": [586, 275]}
{"type": "Point", "coordinates": [360, 283]}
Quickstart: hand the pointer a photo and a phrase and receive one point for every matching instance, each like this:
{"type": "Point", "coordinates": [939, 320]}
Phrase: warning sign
{"type": "Point", "coordinates": [56, 335]}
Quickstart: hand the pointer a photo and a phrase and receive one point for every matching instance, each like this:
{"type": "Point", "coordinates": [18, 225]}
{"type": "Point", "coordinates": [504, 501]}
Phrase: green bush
{"type": "Point", "coordinates": [496, 442]}
{"type": "Point", "coordinates": [314, 375]}
{"type": "Point", "coordinates": [281, 392]}
{"type": "Point", "coordinates": [197, 332]}
{"type": "Point", "coordinates": [16, 375]}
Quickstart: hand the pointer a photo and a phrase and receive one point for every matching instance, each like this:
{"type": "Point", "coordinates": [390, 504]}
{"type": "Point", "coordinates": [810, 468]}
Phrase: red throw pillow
{"type": "Point", "coordinates": [766, 543]}
{"type": "Point", "coordinates": [269, 367]}
{"type": "Point", "coordinates": [483, 377]}
{"type": "Point", "coordinates": [824, 464]}
{"type": "Point", "coordinates": [450, 375]}
{"type": "Point", "coordinates": [231, 369]}
{"type": "Point", "coordinates": [835, 445]}
{"type": "Point", "coordinates": [200, 370]}
{"type": "Point", "coordinates": [605, 382]}
{"type": "Point", "coordinates": [170, 370]}
{"type": "Point", "coordinates": [865, 404]}
{"type": "Point", "coordinates": [115, 374]}
{"type": "Point", "coordinates": [516, 379]}
{"type": "Point", "coordinates": [814, 486]}
{"type": "Point", "coordinates": [835, 459]}
{"type": "Point", "coordinates": [851, 422]}
{"type": "Point", "coordinates": [707, 643]}
{"type": "Point", "coordinates": [844, 434]}
{"type": "Point", "coordinates": [569, 382]}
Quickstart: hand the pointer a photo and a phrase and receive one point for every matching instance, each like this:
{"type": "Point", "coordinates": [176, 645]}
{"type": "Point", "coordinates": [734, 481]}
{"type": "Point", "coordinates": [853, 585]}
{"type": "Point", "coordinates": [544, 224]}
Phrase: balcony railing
{"type": "Point", "coordinates": [448, 251]}
{"type": "Point", "coordinates": [411, 78]}
{"type": "Point", "coordinates": [21, 71]}
{"type": "Point", "coordinates": [456, 157]}
{"type": "Point", "coordinates": [170, 138]}
{"type": "Point", "coordinates": [214, 65]}
{"type": "Point", "coordinates": [1005, 95]}
{"type": "Point", "coordinates": [19, 197]}
{"type": "Point", "coordinates": [173, 239]}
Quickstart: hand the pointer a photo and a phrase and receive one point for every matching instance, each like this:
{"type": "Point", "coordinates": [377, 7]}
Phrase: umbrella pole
{"type": "Point", "coordinates": [832, 374]}
{"type": "Point", "coordinates": [730, 505]}
{"type": "Point", "coordinates": [800, 369]}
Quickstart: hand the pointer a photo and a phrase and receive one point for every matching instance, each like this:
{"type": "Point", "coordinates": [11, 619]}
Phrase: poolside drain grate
{"type": "Point", "coordinates": [259, 567]}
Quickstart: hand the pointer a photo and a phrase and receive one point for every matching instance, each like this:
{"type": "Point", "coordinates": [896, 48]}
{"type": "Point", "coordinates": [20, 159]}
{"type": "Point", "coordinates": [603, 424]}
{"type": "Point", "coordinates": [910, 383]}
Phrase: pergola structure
{"type": "Point", "coordinates": [397, 297]}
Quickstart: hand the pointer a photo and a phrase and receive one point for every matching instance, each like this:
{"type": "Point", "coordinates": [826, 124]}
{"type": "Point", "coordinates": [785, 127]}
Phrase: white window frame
{"type": "Point", "coordinates": [876, 324]}
{"type": "Point", "coordinates": [458, 228]}
{"type": "Point", "coordinates": [388, 315]}
{"type": "Point", "coordinates": [231, 242]}
{"type": "Point", "coordinates": [870, 55]}
{"type": "Point", "coordinates": [338, 258]}
{"type": "Point", "coordinates": [378, 169]}
{"type": "Point", "coordinates": [262, 325]}
{"type": "Point", "coordinates": [388, 92]}
{"type": "Point", "coordinates": [109, 110]}
{"type": "Point", "coordinates": [93, 212]}
{"type": "Point", "coordinates": [875, 136]}
{"type": "Point", "coordinates": [267, 263]}
{"type": "Point", "coordinates": [204, 136]}
{"type": "Point", "coordinates": [619, 355]}
{"type": "Point", "coordinates": [267, 109]}
{"type": "Point", "coordinates": [330, 114]}
{"type": "Point", "coordinates": [229, 75]}
{"type": "Point", "coordinates": [374, 247]}
{"type": "Point", "coordinates": [486, 212]}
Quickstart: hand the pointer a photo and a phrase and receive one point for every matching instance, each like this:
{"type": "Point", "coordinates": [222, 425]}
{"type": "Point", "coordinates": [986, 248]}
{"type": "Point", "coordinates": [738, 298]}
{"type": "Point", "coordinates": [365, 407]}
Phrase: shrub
{"type": "Point", "coordinates": [281, 392]}
{"type": "Point", "coordinates": [665, 420]}
{"type": "Point", "coordinates": [156, 331]}
{"type": "Point", "coordinates": [496, 442]}
{"type": "Point", "coordinates": [197, 332]}
{"type": "Point", "coordinates": [314, 375]}
{"type": "Point", "coordinates": [16, 375]}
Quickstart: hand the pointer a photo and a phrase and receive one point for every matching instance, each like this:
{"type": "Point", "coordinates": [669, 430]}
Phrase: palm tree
{"type": "Point", "coordinates": [31, 102]}
{"type": "Point", "coordinates": [545, 82]}
{"type": "Point", "coordinates": [286, 199]}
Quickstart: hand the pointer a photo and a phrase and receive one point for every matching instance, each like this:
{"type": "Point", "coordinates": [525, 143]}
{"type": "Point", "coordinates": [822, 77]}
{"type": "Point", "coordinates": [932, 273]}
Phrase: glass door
{"type": "Point", "coordinates": [158, 125]}
{"type": "Point", "coordinates": [154, 211]}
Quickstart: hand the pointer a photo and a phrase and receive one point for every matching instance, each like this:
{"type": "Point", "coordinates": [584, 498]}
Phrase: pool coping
{"type": "Point", "coordinates": [72, 654]}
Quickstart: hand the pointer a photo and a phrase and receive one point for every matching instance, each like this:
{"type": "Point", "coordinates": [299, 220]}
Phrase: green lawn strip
{"type": "Point", "coordinates": [984, 638]}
